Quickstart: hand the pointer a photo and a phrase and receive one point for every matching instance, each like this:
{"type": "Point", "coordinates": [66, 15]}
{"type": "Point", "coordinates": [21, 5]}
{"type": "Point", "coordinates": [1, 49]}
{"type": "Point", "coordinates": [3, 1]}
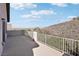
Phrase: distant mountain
{"type": "Point", "coordinates": [69, 29]}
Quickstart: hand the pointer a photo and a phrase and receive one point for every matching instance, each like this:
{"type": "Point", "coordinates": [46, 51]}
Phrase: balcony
{"type": "Point", "coordinates": [19, 43]}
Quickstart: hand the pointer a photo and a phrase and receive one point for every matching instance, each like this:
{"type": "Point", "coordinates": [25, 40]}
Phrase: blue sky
{"type": "Point", "coordinates": [27, 15]}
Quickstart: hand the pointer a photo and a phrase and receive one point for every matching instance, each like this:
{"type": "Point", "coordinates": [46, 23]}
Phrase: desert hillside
{"type": "Point", "coordinates": [69, 29]}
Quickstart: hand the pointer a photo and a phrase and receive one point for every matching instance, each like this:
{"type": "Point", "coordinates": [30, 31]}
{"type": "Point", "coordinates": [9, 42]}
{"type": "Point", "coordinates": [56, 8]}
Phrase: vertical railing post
{"type": "Point", "coordinates": [67, 46]}
{"type": "Point", "coordinates": [75, 47]}
{"type": "Point", "coordinates": [63, 44]}
{"type": "Point", "coordinates": [78, 47]}
{"type": "Point", "coordinates": [72, 46]}
{"type": "Point", "coordinates": [45, 39]}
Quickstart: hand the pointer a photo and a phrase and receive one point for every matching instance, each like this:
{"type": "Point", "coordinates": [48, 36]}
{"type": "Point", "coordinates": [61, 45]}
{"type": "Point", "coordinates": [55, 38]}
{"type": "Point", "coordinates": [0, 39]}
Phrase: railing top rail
{"type": "Point", "coordinates": [60, 37]}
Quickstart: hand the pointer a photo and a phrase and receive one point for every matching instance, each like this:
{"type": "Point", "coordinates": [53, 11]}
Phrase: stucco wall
{"type": "Point", "coordinates": [1, 47]}
{"type": "Point", "coordinates": [3, 14]}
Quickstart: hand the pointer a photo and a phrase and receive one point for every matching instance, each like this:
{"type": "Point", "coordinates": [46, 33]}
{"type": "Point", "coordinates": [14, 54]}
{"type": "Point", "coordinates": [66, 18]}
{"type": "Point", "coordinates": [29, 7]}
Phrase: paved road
{"type": "Point", "coordinates": [18, 45]}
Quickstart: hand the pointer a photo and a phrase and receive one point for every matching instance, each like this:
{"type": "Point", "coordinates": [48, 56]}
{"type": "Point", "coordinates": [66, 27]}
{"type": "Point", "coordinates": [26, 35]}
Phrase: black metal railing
{"type": "Point", "coordinates": [67, 45]}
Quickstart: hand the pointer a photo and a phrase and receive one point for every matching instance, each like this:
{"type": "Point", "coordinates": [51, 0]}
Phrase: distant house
{"type": "Point", "coordinates": [4, 18]}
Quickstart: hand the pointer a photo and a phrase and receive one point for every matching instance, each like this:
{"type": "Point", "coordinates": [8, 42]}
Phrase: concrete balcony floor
{"type": "Point", "coordinates": [17, 44]}
{"type": "Point", "coordinates": [44, 50]}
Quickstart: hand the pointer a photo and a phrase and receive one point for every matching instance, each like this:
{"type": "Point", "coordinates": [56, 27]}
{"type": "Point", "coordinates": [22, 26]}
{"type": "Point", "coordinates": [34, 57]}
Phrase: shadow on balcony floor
{"type": "Point", "coordinates": [18, 44]}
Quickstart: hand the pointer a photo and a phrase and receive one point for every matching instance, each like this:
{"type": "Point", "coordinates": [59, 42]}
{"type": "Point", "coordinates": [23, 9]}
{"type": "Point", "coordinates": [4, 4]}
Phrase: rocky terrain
{"type": "Point", "coordinates": [69, 29]}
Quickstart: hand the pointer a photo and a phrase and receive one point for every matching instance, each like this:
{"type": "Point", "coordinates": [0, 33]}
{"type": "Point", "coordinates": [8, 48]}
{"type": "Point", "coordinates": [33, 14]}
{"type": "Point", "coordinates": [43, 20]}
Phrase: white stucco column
{"type": "Point", "coordinates": [35, 35]}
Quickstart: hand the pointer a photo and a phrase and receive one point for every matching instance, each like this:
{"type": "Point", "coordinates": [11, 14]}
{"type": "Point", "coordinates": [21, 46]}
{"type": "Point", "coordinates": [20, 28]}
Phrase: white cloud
{"type": "Point", "coordinates": [38, 14]}
{"type": "Point", "coordinates": [75, 3]}
{"type": "Point", "coordinates": [43, 12]}
{"type": "Point", "coordinates": [23, 5]}
{"type": "Point", "coordinates": [70, 17]}
{"type": "Point", "coordinates": [60, 4]}
{"type": "Point", "coordinates": [30, 16]}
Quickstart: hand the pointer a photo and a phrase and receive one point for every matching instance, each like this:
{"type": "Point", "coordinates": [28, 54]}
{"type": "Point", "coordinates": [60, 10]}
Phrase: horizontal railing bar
{"type": "Point", "coordinates": [60, 37]}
